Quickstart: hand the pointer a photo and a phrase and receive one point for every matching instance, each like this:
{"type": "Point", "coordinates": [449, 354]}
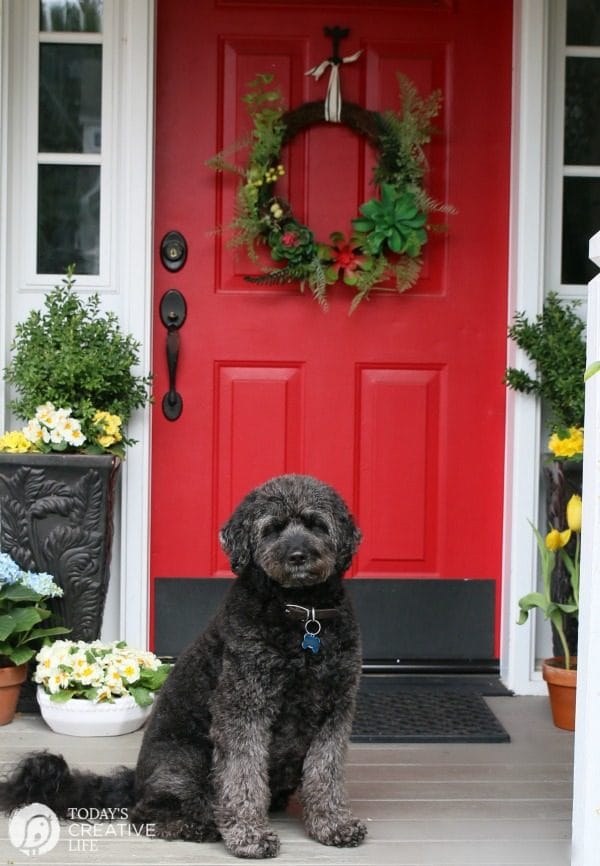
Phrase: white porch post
{"type": "Point", "coordinates": [586, 802]}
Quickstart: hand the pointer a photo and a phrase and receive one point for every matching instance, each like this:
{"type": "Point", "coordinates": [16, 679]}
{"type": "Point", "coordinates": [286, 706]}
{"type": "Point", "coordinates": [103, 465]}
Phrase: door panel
{"type": "Point", "coordinates": [401, 405]}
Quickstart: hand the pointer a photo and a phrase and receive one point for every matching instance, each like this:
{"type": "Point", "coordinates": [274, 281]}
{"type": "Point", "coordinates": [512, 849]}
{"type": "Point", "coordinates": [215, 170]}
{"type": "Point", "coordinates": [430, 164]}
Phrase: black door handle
{"type": "Point", "coordinates": [173, 312]}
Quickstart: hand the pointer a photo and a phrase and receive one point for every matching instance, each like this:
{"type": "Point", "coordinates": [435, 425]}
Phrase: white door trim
{"type": "Point", "coordinates": [134, 265]}
{"type": "Point", "coordinates": [526, 292]}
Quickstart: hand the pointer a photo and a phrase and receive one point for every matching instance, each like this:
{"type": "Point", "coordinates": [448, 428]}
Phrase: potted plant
{"type": "Point", "coordinates": [96, 689]}
{"type": "Point", "coordinates": [71, 369]}
{"type": "Point", "coordinates": [559, 672]}
{"type": "Point", "coordinates": [554, 342]}
{"type": "Point", "coordinates": [23, 612]}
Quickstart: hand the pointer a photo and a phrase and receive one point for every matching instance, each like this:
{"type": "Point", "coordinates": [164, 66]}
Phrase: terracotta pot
{"type": "Point", "coordinates": [562, 688]}
{"type": "Point", "coordinates": [11, 679]}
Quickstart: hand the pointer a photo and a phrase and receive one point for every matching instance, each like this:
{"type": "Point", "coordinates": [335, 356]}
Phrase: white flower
{"type": "Point", "coordinates": [149, 661]}
{"type": "Point", "coordinates": [114, 681]}
{"type": "Point", "coordinates": [56, 436]}
{"type": "Point", "coordinates": [129, 669]}
{"type": "Point", "coordinates": [56, 680]}
{"type": "Point", "coordinates": [33, 431]}
{"type": "Point", "coordinates": [107, 667]}
{"type": "Point", "coordinates": [74, 436]}
{"type": "Point", "coordinates": [90, 675]}
{"type": "Point", "coordinates": [57, 653]}
{"type": "Point", "coordinates": [103, 694]}
{"type": "Point", "coordinates": [45, 414]}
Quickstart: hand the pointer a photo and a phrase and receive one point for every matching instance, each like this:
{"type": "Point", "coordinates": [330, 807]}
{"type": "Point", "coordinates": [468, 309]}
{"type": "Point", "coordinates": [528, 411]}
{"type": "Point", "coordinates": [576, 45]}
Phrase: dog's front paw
{"type": "Point", "coordinates": [346, 833]}
{"type": "Point", "coordinates": [252, 843]}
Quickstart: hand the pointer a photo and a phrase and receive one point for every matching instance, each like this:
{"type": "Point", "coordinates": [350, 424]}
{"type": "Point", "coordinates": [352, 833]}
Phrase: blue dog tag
{"type": "Point", "coordinates": [311, 642]}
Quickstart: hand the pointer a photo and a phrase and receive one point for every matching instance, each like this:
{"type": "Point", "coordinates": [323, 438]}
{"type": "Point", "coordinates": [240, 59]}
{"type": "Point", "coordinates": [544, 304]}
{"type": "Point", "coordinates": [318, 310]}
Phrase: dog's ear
{"type": "Point", "coordinates": [236, 535]}
{"type": "Point", "coordinates": [350, 538]}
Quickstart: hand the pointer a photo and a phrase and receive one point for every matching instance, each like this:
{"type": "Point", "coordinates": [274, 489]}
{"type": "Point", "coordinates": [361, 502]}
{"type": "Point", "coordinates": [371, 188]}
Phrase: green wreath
{"type": "Point", "coordinates": [386, 241]}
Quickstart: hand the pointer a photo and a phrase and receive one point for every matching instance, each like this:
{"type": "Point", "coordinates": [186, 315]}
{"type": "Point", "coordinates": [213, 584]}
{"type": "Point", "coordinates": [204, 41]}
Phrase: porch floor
{"type": "Point", "coordinates": [431, 805]}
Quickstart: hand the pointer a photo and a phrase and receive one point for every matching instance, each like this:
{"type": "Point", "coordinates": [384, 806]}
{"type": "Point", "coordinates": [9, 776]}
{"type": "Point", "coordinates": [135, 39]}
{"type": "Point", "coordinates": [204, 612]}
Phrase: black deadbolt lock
{"type": "Point", "coordinates": [173, 251]}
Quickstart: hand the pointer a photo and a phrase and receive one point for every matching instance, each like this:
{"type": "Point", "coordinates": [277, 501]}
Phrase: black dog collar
{"type": "Point", "coordinates": [312, 625]}
{"type": "Point", "coordinates": [296, 611]}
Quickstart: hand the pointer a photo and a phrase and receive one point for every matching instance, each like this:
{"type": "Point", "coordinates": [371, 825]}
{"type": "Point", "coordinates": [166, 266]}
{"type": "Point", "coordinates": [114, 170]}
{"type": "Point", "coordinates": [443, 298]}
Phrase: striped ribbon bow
{"type": "Point", "coordinates": [333, 100]}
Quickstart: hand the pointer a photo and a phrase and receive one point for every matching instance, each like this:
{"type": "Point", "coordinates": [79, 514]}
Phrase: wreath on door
{"type": "Point", "coordinates": [383, 250]}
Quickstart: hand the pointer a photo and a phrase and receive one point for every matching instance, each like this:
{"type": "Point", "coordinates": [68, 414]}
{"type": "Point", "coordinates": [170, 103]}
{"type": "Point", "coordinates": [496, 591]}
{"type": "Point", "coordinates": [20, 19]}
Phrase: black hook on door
{"type": "Point", "coordinates": [173, 311]}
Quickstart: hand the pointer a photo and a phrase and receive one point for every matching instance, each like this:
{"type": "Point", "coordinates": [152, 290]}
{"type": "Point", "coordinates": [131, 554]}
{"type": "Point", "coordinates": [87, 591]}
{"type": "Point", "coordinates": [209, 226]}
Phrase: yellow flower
{"type": "Point", "coordinates": [110, 426]}
{"type": "Point", "coordinates": [569, 446]}
{"type": "Point", "coordinates": [574, 513]}
{"type": "Point", "coordinates": [555, 539]}
{"type": "Point", "coordinates": [14, 442]}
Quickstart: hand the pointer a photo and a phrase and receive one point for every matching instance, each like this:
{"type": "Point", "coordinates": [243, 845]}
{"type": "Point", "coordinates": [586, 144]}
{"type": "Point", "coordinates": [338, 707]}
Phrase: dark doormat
{"type": "Point", "coordinates": [397, 712]}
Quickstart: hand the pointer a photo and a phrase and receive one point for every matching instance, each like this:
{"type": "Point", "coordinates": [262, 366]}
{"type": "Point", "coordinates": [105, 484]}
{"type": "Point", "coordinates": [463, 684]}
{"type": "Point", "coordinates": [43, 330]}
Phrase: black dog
{"type": "Point", "coordinates": [259, 706]}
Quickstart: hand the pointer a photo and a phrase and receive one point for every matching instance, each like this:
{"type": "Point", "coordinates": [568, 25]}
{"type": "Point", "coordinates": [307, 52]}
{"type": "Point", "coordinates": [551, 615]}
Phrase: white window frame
{"type": "Point", "coordinates": [108, 39]}
{"type": "Point", "coordinates": [556, 168]}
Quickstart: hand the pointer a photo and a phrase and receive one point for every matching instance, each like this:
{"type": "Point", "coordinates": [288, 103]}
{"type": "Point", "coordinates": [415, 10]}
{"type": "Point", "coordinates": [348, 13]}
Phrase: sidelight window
{"type": "Point", "coordinates": [71, 161]}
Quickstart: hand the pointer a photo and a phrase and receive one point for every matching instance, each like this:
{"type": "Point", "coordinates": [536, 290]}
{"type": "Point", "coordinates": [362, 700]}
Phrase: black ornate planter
{"type": "Point", "coordinates": [56, 515]}
{"type": "Point", "coordinates": [563, 479]}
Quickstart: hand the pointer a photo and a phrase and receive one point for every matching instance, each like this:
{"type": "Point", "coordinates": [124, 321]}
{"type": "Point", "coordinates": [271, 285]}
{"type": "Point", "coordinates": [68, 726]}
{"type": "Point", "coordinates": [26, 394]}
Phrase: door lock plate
{"type": "Point", "coordinates": [173, 251]}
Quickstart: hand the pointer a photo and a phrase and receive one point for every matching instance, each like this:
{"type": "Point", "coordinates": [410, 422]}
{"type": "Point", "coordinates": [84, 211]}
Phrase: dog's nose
{"type": "Point", "coordinates": [297, 557]}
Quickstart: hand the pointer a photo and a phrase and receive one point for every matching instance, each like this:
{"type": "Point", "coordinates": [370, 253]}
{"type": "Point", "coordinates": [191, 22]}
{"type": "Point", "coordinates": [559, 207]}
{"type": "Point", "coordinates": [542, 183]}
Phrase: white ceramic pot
{"type": "Point", "coordinates": [81, 718]}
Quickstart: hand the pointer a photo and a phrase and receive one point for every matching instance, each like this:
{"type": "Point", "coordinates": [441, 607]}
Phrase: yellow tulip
{"type": "Point", "coordinates": [574, 513]}
{"type": "Point", "coordinates": [555, 539]}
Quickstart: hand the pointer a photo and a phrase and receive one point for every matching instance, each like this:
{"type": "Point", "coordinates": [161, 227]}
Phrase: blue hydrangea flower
{"type": "Point", "coordinates": [41, 583]}
{"type": "Point", "coordinates": [9, 570]}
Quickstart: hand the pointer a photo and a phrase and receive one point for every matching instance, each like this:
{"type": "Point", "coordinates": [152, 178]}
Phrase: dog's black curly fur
{"type": "Point", "coordinates": [246, 717]}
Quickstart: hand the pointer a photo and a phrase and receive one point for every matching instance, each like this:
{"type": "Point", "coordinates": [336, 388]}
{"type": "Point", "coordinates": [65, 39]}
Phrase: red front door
{"type": "Point", "coordinates": [401, 405]}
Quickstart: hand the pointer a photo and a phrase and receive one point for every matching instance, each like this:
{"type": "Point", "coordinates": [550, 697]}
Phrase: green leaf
{"type": "Point", "coordinates": [395, 241]}
{"type": "Point", "coordinates": [141, 695]}
{"type": "Point", "coordinates": [18, 592]}
{"type": "Point", "coordinates": [534, 599]}
{"type": "Point", "coordinates": [591, 370]}
{"type": "Point", "coordinates": [153, 680]}
{"type": "Point", "coordinates": [371, 209]}
{"type": "Point", "coordinates": [25, 618]}
{"type": "Point", "coordinates": [38, 633]}
{"type": "Point", "coordinates": [388, 195]}
{"type": "Point", "coordinates": [20, 655]}
{"type": "Point", "coordinates": [362, 225]}
{"type": "Point", "coordinates": [64, 695]}
{"type": "Point", "coordinates": [567, 607]}
{"type": "Point", "coordinates": [7, 626]}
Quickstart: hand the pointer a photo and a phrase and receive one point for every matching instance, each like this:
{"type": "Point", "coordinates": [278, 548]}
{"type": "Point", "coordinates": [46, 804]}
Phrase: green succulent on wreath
{"type": "Point", "coordinates": [386, 240]}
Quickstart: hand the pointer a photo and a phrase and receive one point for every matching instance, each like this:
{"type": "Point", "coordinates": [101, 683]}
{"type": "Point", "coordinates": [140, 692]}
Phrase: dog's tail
{"type": "Point", "coordinates": [45, 778]}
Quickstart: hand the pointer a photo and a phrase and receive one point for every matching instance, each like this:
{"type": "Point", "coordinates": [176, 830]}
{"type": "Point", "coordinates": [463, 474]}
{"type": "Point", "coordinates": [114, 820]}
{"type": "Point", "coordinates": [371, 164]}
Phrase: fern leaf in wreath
{"type": "Point", "coordinates": [278, 277]}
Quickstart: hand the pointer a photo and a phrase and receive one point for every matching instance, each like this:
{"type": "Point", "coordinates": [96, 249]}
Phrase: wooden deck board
{"type": "Point", "coordinates": [506, 804]}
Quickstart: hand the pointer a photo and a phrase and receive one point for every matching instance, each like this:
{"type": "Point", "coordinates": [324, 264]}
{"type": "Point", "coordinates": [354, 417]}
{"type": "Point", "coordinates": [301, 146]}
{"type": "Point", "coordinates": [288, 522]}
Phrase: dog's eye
{"type": "Point", "coordinates": [272, 528]}
{"type": "Point", "coordinates": [315, 524]}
